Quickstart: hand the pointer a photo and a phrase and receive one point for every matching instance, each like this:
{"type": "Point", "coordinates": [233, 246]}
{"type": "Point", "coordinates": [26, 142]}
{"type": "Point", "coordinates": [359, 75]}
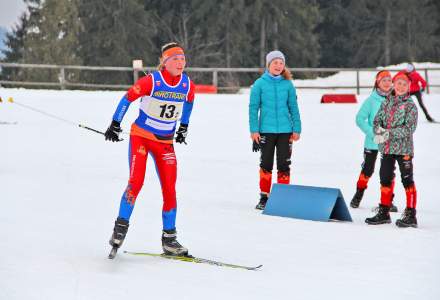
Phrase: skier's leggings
{"type": "Point", "coordinates": [166, 168]}
{"type": "Point", "coordinates": [418, 95]}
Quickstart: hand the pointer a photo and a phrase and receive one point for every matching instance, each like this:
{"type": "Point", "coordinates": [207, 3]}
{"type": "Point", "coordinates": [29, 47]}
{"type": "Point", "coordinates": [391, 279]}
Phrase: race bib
{"type": "Point", "coordinates": [164, 110]}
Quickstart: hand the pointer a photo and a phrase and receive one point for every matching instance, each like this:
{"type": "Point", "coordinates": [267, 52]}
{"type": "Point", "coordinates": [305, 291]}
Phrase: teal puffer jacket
{"type": "Point", "coordinates": [273, 107]}
{"type": "Point", "coordinates": [365, 118]}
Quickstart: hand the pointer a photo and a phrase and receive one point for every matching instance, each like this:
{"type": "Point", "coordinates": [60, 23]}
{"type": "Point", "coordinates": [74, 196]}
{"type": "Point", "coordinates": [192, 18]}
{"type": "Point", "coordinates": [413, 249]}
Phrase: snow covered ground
{"type": "Point", "coordinates": [366, 78]}
{"type": "Point", "coordinates": [60, 187]}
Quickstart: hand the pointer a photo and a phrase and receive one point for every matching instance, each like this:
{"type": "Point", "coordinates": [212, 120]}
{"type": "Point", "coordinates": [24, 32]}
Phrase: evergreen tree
{"type": "Point", "coordinates": [53, 39]}
{"type": "Point", "coordinates": [366, 33]}
{"type": "Point", "coordinates": [114, 33]}
{"type": "Point", "coordinates": [287, 25]}
{"type": "Point", "coordinates": [15, 51]}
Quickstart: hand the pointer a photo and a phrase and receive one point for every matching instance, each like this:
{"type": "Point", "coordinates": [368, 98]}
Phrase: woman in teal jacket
{"type": "Point", "coordinates": [364, 120]}
{"type": "Point", "coordinates": [274, 121]}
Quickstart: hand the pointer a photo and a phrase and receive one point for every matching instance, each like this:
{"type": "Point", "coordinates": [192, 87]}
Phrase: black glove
{"type": "Point", "coordinates": [181, 133]}
{"type": "Point", "coordinates": [255, 146]}
{"type": "Point", "coordinates": [113, 131]}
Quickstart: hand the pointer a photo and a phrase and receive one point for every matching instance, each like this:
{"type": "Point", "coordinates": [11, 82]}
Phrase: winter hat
{"type": "Point", "coordinates": [410, 67]}
{"type": "Point", "coordinates": [401, 76]}
{"type": "Point", "coordinates": [382, 74]}
{"type": "Point", "coordinates": [274, 55]}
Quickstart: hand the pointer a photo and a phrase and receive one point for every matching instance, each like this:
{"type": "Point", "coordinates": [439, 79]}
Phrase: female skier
{"type": "Point", "coordinates": [394, 126]}
{"type": "Point", "coordinates": [274, 121]}
{"type": "Point", "coordinates": [167, 96]}
{"type": "Point", "coordinates": [364, 120]}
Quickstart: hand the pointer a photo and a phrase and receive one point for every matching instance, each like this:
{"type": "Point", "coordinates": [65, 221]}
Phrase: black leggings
{"type": "Point", "coordinates": [370, 157]}
{"type": "Point", "coordinates": [387, 166]}
{"type": "Point", "coordinates": [268, 143]}
{"type": "Point", "coordinates": [418, 95]}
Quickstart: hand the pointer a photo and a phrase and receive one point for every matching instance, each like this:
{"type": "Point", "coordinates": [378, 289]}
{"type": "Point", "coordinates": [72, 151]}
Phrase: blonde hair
{"type": "Point", "coordinates": [287, 74]}
{"type": "Point", "coordinates": [160, 66]}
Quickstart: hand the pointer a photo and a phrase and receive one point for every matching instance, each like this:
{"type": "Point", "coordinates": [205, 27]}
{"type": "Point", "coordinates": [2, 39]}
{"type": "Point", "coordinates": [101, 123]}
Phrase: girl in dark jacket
{"type": "Point", "coordinates": [394, 126]}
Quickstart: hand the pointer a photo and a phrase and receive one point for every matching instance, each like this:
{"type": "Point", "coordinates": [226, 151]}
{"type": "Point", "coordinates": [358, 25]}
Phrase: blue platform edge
{"type": "Point", "coordinates": [307, 202]}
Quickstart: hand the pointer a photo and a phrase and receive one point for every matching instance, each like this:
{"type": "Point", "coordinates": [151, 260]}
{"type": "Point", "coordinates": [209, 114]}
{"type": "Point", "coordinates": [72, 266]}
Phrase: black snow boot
{"type": "Point", "coordinates": [263, 200]}
{"type": "Point", "coordinates": [382, 216]}
{"type": "Point", "coordinates": [357, 198]}
{"type": "Point", "coordinates": [171, 246]}
{"type": "Point", "coordinates": [408, 218]}
{"type": "Point", "coordinates": [393, 208]}
{"type": "Point", "coordinates": [119, 232]}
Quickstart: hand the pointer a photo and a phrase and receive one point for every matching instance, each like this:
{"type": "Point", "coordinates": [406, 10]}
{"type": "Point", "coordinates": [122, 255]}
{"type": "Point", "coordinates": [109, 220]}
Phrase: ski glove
{"type": "Point", "coordinates": [113, 131]}
{"type": "Point", "coordinates": [382, 135]}
{"type": "Point", "coordinates": [255, 146]}
{"type": "Point", "coordinates": [181, 133]}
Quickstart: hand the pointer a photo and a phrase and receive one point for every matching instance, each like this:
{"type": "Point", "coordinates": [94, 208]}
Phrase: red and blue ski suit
{"type": "Point", "coordinates": [165, 99]}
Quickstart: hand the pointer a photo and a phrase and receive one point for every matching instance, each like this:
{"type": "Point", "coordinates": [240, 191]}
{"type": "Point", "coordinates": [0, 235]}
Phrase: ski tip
{"type": "Point", "coordinates": [112, 253]}
{"type": "Point", "coordinates": [256, 268]}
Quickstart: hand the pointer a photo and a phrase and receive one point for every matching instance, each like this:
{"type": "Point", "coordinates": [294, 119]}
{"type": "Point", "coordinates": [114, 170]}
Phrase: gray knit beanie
{"type": "Point", "coordinates": [273, 55]}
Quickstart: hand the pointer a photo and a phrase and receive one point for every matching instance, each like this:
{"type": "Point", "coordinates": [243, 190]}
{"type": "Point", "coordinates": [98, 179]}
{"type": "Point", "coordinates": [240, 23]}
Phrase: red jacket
{"type": "Point", "coordinates": [416, 81]}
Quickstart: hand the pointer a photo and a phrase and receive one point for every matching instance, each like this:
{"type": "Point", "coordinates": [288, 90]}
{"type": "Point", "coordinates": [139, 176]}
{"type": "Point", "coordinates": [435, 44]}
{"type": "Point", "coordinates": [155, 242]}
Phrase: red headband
{"type": "Point", "coordinates": [381, 75]}
{"type": "Point", "coordinates": [172, 52]}
{"type": "Point", "coordinates": [401, 76]}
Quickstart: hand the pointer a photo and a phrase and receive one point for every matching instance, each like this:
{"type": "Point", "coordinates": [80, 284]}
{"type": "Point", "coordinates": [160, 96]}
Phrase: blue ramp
{"type": "Point", "coordinates": [307, 202]}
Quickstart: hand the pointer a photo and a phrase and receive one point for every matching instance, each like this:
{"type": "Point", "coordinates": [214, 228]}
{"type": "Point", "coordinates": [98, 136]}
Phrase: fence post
{"type": "Point", "coordinates": [138, 65]}
{"type": "Point", "coordinates": [358, 90]}
{"type": "Point", "coordinates": [62, 78]}
{"type": "Point", "coordinates": [427, 81]}
{"type": "Point", "coordinates": [135, 75]}
{"type": "Point", "coordinates": [215, 78]}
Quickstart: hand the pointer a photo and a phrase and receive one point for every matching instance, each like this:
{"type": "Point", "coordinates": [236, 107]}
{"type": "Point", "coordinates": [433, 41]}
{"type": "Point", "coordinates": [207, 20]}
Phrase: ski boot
{"type": "Point", "coordinates": [263, 200]}
{"type": "Point", "coordinates": [118, 236]}
{"type": "Point", "coordinates": [382, 216]}
{"type": "Point", "coordinates": [357, 198]}
{"type": "Point", "coordinates": [171, 246]}
{"type": "Point", "coordinates": [408, 218]}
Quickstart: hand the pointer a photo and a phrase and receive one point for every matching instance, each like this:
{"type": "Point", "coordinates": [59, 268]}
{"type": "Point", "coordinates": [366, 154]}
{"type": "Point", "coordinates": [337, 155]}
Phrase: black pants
{"type": "Point", "coordinates": [268, 143]}
{"type": "Point", "coordinates": [387, 167]}
{"type": "Point", "coordinates": [370, 157]}
{"type": "Point", "coordinates": [418, 95]}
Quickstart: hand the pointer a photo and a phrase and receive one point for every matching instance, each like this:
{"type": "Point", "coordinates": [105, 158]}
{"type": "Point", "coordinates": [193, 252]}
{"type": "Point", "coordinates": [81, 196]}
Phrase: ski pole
{"type": "Point", "coordinates": [57, 117]}
{"type": "Point", "coordinates": [91, 129]}
{"type": "Point", "coordinates": [97, 131]}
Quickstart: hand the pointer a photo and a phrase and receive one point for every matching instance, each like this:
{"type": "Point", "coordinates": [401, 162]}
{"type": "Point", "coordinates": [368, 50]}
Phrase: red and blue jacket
{"type": "Point", "coordinates": [165, 99]}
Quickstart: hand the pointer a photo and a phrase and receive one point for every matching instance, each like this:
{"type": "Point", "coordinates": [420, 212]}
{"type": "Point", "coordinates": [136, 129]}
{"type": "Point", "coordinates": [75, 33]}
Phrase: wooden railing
{"type": "Point", "coordinates": [63, 83]}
